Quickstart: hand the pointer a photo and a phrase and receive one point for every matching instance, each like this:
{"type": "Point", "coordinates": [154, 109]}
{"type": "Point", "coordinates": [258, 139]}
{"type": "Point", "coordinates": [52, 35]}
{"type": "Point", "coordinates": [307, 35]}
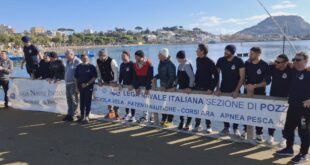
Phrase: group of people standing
{"type": "Point", "coordinates": [230, 74]}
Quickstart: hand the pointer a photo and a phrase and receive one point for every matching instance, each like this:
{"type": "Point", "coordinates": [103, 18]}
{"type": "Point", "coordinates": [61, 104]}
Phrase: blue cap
{"type": "Point", "coordinates": [25, 39]}
{"type": "Point", "coordinates": [231, 48]}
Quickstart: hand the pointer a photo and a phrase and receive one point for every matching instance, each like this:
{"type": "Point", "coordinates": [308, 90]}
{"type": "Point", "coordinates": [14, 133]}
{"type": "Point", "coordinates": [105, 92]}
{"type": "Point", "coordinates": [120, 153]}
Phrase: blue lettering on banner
{"type": "Point", "coordinates": [225, 103]}
{"type": "Point", "coordinates": [190, 111]}
{"type": "Point", "coordinates": [245, 111]}
{"type": "Point", "coordinates": [116, 101]}
{"type": "Point", "coordinates": [260, 120]}
{"type": "Point", "coordinates": [273, 107]}
{"type": "Point", "coordinates": [230, 116]}
{"type": "Point", "coordinates": [105, 100]}
{"type": "Point", "coordinates": [207, 113]}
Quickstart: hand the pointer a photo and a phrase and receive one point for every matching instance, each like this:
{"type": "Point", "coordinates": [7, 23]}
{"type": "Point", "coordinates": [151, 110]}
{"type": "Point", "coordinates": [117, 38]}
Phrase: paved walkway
{"type": "Point", "coordinates": [37, 138]}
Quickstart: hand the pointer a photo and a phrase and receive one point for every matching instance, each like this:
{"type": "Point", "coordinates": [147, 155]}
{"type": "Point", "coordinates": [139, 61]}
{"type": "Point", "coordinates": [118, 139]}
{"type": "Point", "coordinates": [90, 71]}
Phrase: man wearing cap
{"type": "Point", "coordinates": [31, 57]}
{"type": "Point", "coordinates": [71, 88]}
{"type": "Point", "coordinates": [233, 72]}
{"type": "Point", "coordinates": [107, 70]}
{"type": "Point", "coordinates": [167, 76]}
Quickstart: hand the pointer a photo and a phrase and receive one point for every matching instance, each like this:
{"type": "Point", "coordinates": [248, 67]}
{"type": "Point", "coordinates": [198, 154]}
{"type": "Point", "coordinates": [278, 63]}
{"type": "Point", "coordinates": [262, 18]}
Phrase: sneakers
{"type": "Point", "coordinates": [196, 129]}
{"type": "Point", "coordinates": [85, 120]}
{"type": "Point", "coordinates": [180, 127]}
{"type": "Point", "coordinates": [167, 124]}
{"type": "Point", "coordinates": [69, 118]}
{"type": "Point", "coordinates": [285, 152]}
{"type": "Point", "coordinates": [259, 139]}
{"type": "Point", "coordinates": [244, 136]}
{"type": "Point", "coordinates": [186, 128]}
{"type": "Point", "coordinates": [209, 131]}
{"type": "Point", "coordinates": [132, 119]}
{"type": "Point", "coordinates": [126, 117]}
{"type": "Point", "coordinates": [237, 133]}
{"type": "Point", "coordinates": [282, 144]}
{"type": "Point", "coordinates": [300, 158]}
{"type": "Point", "coordinates": [142, 120]}
{"type": "Point", "coordinates": [270, 141]}
{"type": "Point", "coordinates": [224, 132]}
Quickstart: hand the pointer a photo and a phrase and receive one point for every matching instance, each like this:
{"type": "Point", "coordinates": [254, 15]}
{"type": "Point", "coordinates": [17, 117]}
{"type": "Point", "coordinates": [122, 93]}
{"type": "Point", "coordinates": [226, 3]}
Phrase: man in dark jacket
{"type": "Point", "coordinates": [57, 68]}
{"type": "Point", "coordinates": [44, 67]}
{"type": "Point", "coordinates": [6, 68]}
{"type": "Point", "coordinates": [167, 76]}
{"type": "Point", "coordinates": [142, 77]}
{"type": "Point", "coordinates": [125, 78]}
{"type": "Point", "coordinates": [206, 79]}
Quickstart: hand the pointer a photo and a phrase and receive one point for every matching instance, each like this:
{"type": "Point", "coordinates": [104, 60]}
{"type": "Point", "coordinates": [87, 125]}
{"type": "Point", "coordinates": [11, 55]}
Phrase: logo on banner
{"type": "Point", "coordinates": [104, 90]}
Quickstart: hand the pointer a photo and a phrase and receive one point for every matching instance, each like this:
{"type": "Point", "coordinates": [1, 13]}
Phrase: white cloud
{"type": "Point", "coordinates": [284, 5]}
{"type": "Point", "coordinates": [216, 24]}
{"type": "Point", "coordinates": [198, 13]}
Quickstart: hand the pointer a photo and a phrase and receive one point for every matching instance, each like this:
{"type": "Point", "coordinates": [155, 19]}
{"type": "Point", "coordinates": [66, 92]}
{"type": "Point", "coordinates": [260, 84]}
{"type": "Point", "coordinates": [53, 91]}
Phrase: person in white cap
{"type": "Point", "coordinates": [167, 76]}
{"type": "Point", "coordinates": [107, 70]}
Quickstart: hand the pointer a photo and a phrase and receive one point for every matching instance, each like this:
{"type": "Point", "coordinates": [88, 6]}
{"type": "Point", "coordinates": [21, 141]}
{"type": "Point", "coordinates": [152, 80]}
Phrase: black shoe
{"type": "Point", "coordinates": [300, 158]}
{"type": "Point", "coordinates": [80, 119]}
{"type": "Point", "coordinates": [180, 127]}
{"type": "Point", "coordinates": [285, 152]}
{"type": "Point", "coordinates": [66, 118]}
{"type": "Point", "coordinates": [6, 105]}
{"type": "Point", "coordinates": [70, 119]}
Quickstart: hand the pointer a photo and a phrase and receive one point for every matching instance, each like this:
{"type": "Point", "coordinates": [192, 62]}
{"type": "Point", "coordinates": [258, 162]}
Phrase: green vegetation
{"type": "Point", "coordinates": [112, 37]}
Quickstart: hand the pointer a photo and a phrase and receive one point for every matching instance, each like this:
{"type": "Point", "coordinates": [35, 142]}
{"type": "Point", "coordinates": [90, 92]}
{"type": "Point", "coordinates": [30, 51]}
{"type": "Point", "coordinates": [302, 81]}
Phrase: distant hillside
{"type": "Point", "coordinates": [296, 26]}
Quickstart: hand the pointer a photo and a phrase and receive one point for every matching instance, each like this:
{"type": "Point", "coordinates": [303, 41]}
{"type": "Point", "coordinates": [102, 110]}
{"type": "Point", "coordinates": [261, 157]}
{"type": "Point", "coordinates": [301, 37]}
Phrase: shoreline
{"type": "Point", "coordinates": [80, 49]}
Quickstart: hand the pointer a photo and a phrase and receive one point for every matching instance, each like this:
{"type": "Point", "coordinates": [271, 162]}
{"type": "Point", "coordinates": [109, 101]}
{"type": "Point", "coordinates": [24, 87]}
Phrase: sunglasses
{"type": "Point", "coordinates": [296, 59]}
{"type": "Point", "coordinates": [278, 62]}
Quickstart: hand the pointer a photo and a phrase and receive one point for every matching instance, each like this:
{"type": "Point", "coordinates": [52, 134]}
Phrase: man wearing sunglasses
{"type": "Point", "coordinates": [298, 114]}
{"type": "Point", "coordinates": [281, 74]}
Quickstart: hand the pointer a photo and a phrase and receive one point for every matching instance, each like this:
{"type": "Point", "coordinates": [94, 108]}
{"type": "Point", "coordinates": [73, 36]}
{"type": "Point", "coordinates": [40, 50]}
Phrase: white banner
{"type": "Point", "coordinates": [42, 96]}
{"type": "Point", "coordinates": [38, 95]}
{"type": "Point", "coordinates": [248, 111]}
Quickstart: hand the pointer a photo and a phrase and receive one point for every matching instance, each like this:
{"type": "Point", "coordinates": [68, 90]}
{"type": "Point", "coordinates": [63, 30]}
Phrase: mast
{"type": "Point", "coordinates": [283, 48]}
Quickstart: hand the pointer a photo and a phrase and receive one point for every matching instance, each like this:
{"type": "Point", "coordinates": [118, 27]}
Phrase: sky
{"type": "Point", "coordinates": [215, 16]}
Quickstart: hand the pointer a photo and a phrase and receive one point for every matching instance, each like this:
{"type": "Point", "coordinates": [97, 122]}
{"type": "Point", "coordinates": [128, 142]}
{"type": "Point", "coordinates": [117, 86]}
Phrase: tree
{"type": "Point", "coordinates": [139, 28]}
